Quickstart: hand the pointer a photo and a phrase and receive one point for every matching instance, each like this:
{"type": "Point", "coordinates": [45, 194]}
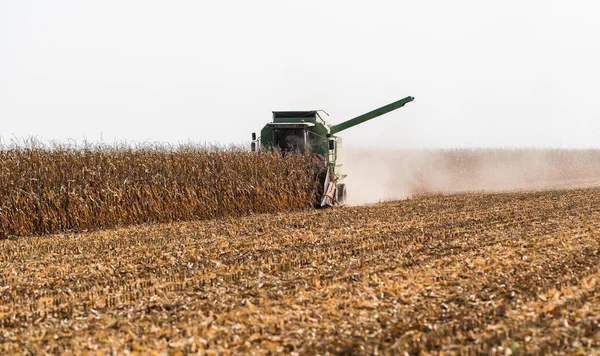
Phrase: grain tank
{"type": "Point", "coordinates": [307, 131]}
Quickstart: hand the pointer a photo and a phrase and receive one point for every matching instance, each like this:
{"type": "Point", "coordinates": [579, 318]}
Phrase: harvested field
{"type": "Point", "coordinates": [460, 274]}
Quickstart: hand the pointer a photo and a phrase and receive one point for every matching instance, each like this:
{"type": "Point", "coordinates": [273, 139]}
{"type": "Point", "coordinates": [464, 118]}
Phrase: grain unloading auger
{"type": "Point", "coordinates": [306, 130]}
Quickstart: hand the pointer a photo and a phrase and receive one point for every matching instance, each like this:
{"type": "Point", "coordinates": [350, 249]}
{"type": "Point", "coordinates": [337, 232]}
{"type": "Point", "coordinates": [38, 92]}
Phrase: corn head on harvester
{"type": "Point", "coordinates": [307, 131]}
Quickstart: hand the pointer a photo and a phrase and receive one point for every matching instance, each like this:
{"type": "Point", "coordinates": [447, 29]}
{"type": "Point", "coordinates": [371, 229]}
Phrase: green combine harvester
{"type": "Point", "coordinates": [305, 131]}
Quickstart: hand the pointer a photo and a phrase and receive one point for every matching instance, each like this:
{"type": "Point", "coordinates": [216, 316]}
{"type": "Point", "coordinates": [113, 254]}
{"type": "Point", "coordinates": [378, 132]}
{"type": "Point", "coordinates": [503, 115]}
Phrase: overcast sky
{"type": "Point", "coordinates": [502, 73]}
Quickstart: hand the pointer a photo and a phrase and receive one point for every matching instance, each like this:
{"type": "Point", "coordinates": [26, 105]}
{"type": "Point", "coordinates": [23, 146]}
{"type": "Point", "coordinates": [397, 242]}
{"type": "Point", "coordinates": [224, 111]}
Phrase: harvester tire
{"type": "Point", "coordinates": [341, 194]}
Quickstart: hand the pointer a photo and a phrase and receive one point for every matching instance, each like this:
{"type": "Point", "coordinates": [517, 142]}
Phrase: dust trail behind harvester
{"type": "Point", "coordinates": [379, 175]}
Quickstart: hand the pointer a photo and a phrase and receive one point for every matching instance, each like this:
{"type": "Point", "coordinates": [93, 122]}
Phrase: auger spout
{"type": "Point", "coordinates": [370, 115]}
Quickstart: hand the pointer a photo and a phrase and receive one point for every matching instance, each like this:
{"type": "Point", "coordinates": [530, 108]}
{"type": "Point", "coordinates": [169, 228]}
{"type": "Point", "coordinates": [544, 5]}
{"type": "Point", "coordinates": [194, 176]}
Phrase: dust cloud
{"type": "Point", "coordinates": [380, 175]}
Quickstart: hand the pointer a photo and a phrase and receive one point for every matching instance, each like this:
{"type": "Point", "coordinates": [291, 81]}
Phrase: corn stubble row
{"type": "Point", "coordinates": [511, 273]}
{"type": "Point", "coordinates": [46, 190]}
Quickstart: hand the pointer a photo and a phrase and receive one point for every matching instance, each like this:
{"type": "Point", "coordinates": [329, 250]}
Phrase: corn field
{"type": "Point", "coordinates": [466, 274]}
{"type": "Point", "coordinates": [46, 190]}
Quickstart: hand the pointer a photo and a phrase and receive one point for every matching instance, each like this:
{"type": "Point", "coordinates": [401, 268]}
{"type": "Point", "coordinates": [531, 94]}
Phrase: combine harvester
{"type": "Point", "coordinates": [306, 130]}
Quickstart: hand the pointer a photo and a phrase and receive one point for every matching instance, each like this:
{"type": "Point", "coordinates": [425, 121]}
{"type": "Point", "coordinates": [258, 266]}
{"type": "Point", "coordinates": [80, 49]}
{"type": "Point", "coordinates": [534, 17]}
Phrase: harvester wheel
{"type": "Point", "coordinates": [341, 194]}
{"type": "Point", "coordinates": [321, 176]}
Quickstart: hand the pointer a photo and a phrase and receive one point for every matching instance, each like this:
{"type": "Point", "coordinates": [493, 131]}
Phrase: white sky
{"type": "Point", "coordinates": [502, 73]}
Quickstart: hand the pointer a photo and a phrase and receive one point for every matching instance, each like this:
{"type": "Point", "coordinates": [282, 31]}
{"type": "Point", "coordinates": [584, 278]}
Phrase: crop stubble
{"type": "Point", "coordinates": [467, 274]}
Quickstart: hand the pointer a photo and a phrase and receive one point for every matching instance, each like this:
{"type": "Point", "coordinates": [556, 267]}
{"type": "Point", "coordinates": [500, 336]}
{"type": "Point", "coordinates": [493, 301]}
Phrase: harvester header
{"type": "Point", "coordinates": [307, 131]}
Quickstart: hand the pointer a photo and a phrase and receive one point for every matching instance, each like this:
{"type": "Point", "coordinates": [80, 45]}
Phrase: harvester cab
{"type": "Point", "coordinates": [306, 131]}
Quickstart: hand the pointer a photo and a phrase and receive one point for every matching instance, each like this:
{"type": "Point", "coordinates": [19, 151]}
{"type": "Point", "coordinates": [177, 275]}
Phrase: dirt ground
{"type": "Point", "coordinates": [505, 273]}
